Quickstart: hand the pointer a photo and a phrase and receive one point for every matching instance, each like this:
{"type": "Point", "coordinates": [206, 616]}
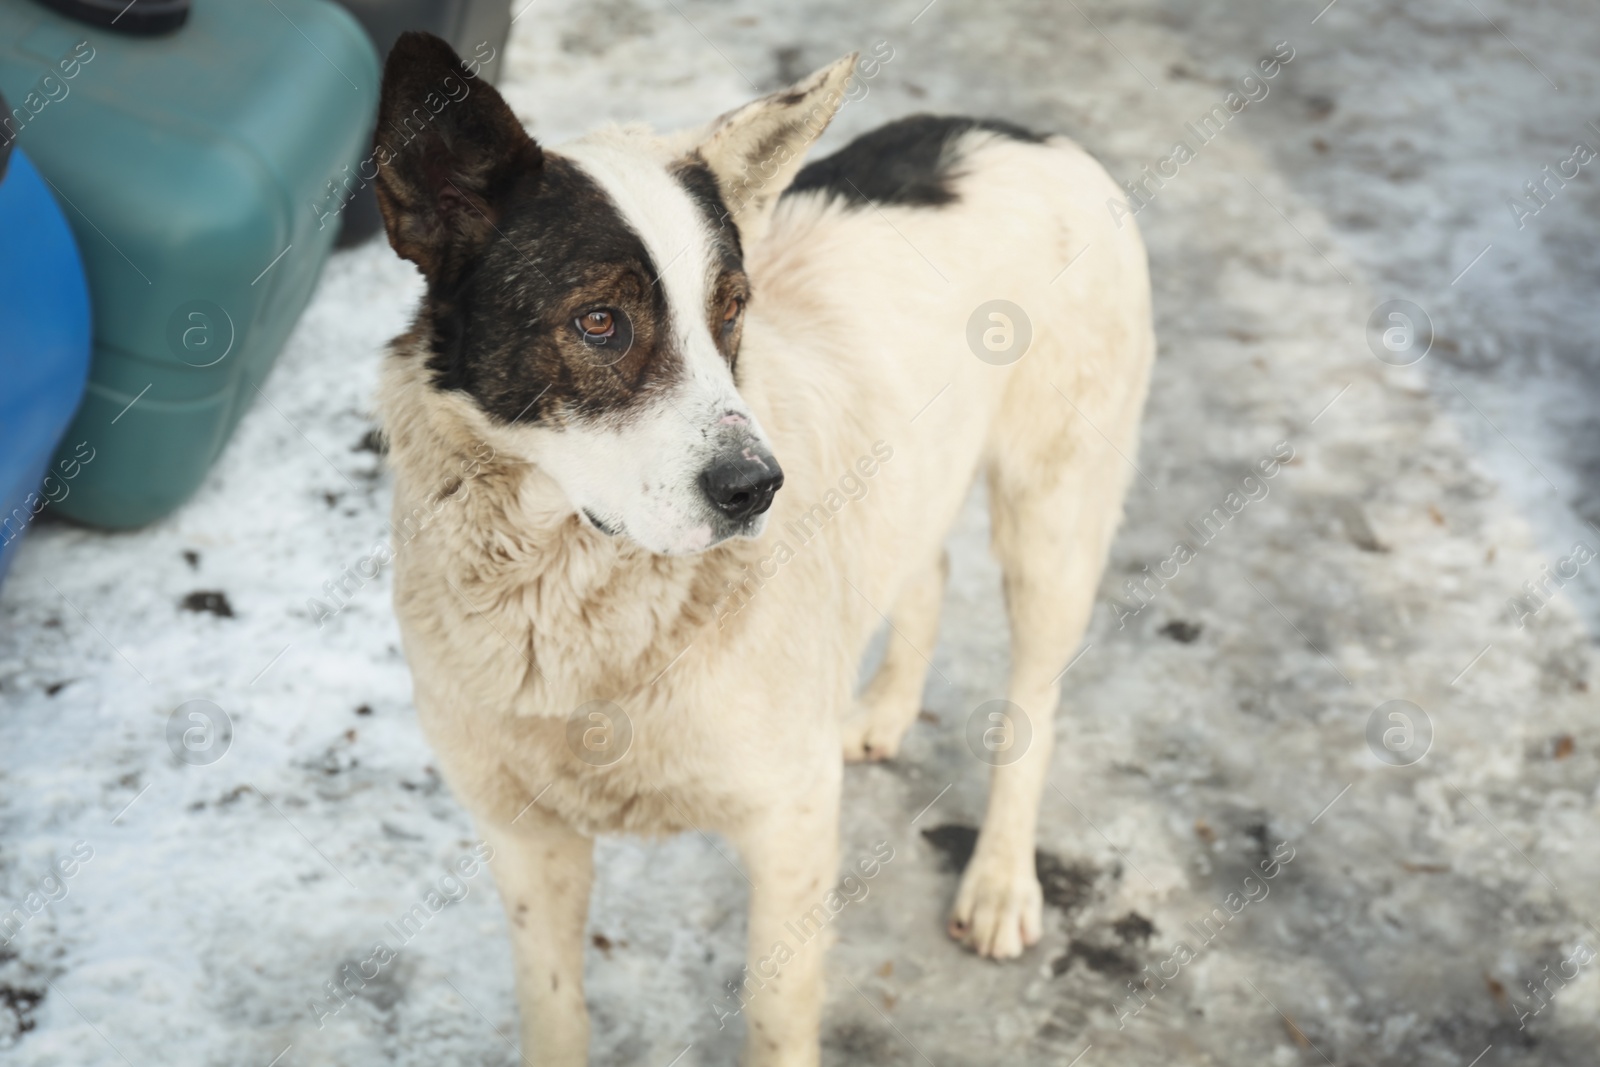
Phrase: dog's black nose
{"type": "Point", "coordinates": [742, 486]}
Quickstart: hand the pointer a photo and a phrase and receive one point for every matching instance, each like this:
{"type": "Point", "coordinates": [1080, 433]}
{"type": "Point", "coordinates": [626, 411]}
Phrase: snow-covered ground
{"type": "Point", "coordinates": [1428, 913]}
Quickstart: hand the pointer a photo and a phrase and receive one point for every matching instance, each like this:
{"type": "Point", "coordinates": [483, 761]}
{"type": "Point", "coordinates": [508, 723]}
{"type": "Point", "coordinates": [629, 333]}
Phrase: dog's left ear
{"type": "Point", "coordinates": [756, 150]}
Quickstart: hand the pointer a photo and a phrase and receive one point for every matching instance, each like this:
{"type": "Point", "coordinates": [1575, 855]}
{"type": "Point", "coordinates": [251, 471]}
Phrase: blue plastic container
{"type": "Point", "coordinates": [194, 166]}
{"type": "Point", "coordinates": [44, 347]}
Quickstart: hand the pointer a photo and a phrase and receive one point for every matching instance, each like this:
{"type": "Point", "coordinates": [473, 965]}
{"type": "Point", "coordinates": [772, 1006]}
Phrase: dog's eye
{"type": "Point", "coordinates": [730, 313]}
{"type": "Point", "coordinates": [596, 325]}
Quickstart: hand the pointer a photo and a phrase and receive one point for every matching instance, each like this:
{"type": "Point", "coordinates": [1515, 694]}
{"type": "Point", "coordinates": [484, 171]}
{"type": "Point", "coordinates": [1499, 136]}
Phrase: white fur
{"type": "Point", "coordinates": [516, 614]}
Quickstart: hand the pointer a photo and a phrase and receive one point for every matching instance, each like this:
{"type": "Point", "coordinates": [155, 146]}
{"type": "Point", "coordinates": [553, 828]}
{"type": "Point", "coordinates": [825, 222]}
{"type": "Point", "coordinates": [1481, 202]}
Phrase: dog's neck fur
{"type": "Point", "coordinates": [591, 615]}
{"type": "Point", "coordinates": [601, 616]}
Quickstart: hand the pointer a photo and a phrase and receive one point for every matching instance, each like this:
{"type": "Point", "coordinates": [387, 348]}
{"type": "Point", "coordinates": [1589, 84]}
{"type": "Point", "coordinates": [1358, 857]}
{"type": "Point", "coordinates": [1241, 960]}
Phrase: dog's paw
{"type": "Point", "coordinates": [1000, 908]}
{"type": "Point", "coordinates": [870, 736]}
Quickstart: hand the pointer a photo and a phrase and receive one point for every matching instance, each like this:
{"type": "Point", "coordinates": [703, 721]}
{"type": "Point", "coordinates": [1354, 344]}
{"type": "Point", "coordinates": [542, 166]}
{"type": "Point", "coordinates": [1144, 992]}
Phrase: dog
{"type": "Point", "coordinates": [678, 425]}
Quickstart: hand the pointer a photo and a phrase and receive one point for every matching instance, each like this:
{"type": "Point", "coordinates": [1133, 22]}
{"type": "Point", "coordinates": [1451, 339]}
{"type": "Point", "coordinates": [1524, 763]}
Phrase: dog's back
{"type": "Point", "coordinates": [960, 291]}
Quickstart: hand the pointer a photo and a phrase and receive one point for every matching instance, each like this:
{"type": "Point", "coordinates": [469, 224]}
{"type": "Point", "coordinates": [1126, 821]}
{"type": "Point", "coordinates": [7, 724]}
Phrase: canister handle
{"type": "Point", "coordinates": [137, 18]}
{"type": "Point", "coordinates": [6, 137]}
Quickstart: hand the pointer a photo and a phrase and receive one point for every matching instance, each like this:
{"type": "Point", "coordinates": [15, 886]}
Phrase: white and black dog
{"type": "Point", "coordinates": [615, 620]}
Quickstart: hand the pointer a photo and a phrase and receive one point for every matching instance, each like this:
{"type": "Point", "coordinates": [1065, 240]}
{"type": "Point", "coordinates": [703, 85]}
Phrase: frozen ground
{"type": "Point", "coordinates": [1421, 903]}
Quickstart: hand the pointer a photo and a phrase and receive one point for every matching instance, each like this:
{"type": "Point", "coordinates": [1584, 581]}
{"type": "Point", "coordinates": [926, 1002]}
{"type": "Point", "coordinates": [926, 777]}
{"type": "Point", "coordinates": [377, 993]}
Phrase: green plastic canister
{"type": "Point", "coordinates": [194, 166]}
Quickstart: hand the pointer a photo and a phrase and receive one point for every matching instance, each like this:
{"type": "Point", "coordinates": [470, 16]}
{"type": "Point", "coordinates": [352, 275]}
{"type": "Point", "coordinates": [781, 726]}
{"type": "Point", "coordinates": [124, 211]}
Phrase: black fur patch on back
{"type": "Point", "coordinates": [503, 332]}
{"type": "Point", "coordinates": [903, 162]}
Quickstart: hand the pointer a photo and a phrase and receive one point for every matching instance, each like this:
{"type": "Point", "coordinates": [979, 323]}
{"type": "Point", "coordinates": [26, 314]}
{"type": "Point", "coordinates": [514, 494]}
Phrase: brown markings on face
{"type": "Point", "coordinates": [511, 332]}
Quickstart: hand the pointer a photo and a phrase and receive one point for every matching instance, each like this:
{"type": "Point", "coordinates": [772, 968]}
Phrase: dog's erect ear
{"type": "Point", "coordinates": [448, 149]}
{"type": "Point", "coordinates": [756, 150]}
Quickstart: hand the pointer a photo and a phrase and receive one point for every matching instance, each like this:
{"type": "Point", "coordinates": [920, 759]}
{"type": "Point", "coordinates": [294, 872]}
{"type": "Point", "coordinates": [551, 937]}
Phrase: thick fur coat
{"type": "Point", "coordinates": [585, 666]}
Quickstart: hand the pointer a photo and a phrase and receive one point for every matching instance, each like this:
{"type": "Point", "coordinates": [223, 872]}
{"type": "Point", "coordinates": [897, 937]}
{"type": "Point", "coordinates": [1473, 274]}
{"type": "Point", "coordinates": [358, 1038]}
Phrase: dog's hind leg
{"type": "Point", "coordinates": [543, 870]}
{"type": "Point", "coordinates": [1055, 496]}
{"type": "Point", "coordinates": [874, 728]}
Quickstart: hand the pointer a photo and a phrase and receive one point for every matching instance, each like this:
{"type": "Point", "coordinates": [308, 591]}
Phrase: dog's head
{"type": "Point", "coordinates": [590, 302]}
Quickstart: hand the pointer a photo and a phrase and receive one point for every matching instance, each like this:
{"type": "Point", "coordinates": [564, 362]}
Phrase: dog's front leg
{"type": "Point", "coordinates": [792, 856]}
{"type": "Point", "coordinates": [543, 869]}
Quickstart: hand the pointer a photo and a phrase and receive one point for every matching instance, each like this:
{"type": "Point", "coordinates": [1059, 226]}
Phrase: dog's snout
{"type": "Point", "coordinates": [742, 486]}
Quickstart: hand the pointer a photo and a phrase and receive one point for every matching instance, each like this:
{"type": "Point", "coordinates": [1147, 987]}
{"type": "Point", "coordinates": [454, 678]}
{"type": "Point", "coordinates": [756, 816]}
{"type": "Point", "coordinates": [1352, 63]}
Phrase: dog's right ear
{"type": "Point", "coordinates": [448, 151]}
{"type": "Point", "coordinates": [755, 151]}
